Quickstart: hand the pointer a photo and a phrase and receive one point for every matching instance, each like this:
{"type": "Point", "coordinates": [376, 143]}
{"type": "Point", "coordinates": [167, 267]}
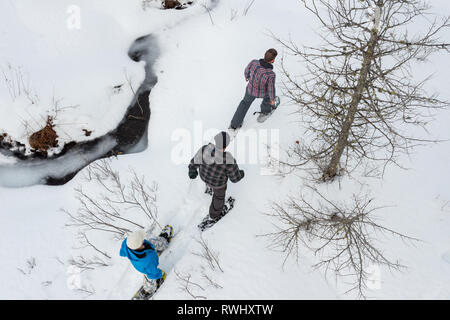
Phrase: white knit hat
{"type": "Point", "coordinates": [136, 239]}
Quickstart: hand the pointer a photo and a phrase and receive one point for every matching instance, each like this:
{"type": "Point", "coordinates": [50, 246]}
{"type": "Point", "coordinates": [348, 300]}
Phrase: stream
{"type": "Point", "coordinates": [130, 136]}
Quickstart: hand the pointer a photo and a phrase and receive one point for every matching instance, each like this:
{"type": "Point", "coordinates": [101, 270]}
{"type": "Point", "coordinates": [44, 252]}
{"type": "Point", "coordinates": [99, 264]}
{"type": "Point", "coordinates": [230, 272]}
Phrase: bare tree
{"type": "Point", "coordinates": [31, 264]}
{"type": "Point", "coordinates": [18, 84]}
{"type": "Point", "coordinates": [358, 98]}
{"type": "Point", "coordinates": [209, 255]}
{"type": "Point", "coordinates": [83, 263]}
{"type": "Point", "coordinates": [248, 6]}
{"type": "Point", "coordinates": [340, 234]}
{"type": "Point", "coordinates": [208, 9]}
{"type": "Point", "coordinates": [233, 14]}
{"type": "Point", "coordinates": [188, 284]}
{"type": "Point", "coordinates": [210, 281]}
{"type": "Point", "coordinates": [115, 207]}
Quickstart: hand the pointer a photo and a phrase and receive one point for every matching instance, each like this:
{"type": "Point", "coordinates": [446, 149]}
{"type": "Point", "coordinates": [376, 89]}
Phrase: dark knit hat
{"type": "Point", "coordinates": [222, 140]}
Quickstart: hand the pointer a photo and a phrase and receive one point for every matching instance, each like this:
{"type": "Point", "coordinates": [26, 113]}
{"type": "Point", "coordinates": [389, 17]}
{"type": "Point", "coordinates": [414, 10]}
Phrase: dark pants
{"type": "Point", "coordinates": [218, 201]}
{"type": "Point", "coordinates": [243, 107]}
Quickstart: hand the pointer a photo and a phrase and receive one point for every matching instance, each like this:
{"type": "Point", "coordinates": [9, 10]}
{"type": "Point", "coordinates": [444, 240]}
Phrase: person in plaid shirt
{"type": "Point", "coordinates": [261, 84]}
{"type": "Point", "coordinates": [216, 166]}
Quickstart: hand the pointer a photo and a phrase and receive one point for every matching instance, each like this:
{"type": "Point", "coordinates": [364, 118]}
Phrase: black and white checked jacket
{"type": "Point", "coordinates": [215, 166]}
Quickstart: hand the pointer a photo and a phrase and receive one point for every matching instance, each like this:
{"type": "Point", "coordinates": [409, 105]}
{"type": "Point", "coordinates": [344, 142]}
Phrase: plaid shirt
{"type": "Point", "coordinates": [215, 166]}
{"type": "Point", "coordinates": [261, 79]}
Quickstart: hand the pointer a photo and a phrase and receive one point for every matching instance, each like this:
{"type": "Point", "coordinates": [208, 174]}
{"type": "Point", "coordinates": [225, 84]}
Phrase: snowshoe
{"type": "Point", "coordinates": [264, 116]}
{"type": "Point", "coordinates": [161, 280]}
{"type": "Point", "coordinates": [167, 233]}
{"type": "Point", "coordinates": [228, 206]}
{"type": "Point", "coordinates": [208, 222]}
{"type": "Point", "coordinates": [141, 294]}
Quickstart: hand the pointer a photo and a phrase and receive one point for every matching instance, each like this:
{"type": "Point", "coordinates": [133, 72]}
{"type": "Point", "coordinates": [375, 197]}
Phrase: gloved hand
{"type": "Point", "coordinates": [242, 173]}
{"type": "Point", "coordinates": [193, 174]}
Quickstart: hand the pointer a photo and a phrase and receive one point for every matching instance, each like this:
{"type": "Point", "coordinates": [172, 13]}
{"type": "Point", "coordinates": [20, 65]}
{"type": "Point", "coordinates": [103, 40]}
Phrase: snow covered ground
{"type": "Point", "coordinates": [200, 83]}
{"type": "Point", "coordinates": [68, 60]}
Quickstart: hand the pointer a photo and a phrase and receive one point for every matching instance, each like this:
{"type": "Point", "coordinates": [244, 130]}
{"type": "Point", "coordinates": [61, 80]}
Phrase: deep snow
{"type": "Point", "coordinates": [200, 83]}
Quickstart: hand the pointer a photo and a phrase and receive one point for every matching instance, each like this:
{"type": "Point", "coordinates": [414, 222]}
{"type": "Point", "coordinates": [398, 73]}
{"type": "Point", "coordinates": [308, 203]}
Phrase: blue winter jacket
{"type": "Point", "coordinates": [145, 261]}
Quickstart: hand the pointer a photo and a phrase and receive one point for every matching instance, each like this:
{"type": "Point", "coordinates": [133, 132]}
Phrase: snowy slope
{"type": "Point", "coordinates": [200, 83]}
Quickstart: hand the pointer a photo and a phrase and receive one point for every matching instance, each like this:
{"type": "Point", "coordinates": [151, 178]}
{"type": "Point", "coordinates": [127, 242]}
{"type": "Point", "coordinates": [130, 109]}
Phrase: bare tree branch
{"type": "Point", "coordinates": [339, 234]}
{"type": "Point", "coordinates": [357, 99]}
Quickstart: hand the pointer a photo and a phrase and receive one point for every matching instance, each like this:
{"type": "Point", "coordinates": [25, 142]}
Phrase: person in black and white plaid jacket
{"type": "Point", "coordinates": [216, 166]}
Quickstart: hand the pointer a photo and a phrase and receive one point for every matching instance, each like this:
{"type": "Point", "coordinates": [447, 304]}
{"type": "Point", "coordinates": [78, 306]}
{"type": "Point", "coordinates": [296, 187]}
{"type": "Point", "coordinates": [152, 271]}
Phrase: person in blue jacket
{"type": "Point", "coordinates": [144, 256]}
